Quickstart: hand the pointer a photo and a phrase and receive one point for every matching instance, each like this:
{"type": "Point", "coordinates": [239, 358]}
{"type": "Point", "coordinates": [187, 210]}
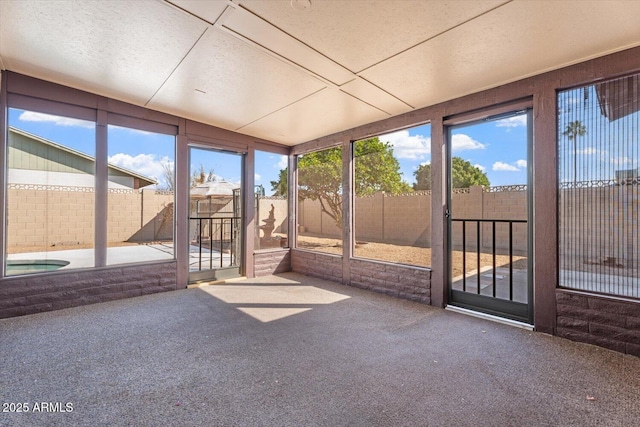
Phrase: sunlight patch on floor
{"type": "Point", "coordinates": [269, 314]}
{"type": "Point", "coordinates": [267, 303]}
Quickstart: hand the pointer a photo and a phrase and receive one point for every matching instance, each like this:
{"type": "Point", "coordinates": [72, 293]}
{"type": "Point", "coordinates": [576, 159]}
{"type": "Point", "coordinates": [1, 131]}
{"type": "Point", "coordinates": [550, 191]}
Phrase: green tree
{"type": "Point", "coordinates": [423, 177]}
{"type": "Point", "coordinates": [320, 175]}
{"type": "Point", "coordinates": [377, 169]}
{"type": "Point", "coordinates": [463, 175]}
{"type": "Point", "coordinates": [572, 132]}
{"type": "Point", "coordinates": [280, 186]}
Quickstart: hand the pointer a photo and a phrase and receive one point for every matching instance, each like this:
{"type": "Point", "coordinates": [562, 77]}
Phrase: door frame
{"type": "Point", "coordinates": [520, 312]}
{"type": "Point", "coordinates": [221, 273]}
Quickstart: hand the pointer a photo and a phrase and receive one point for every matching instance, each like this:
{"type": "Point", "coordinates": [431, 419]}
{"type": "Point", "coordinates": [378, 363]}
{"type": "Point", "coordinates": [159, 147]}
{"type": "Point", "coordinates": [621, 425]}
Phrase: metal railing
{"type": "Point", "coordinates": [493, 222]}
{"type": "Point", "coordinates": [217, 234]}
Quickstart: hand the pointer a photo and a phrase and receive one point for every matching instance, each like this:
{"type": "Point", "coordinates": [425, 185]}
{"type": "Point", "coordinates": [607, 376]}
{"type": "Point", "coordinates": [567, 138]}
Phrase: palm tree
{"type": "Point", "coordinates": [572, 132]}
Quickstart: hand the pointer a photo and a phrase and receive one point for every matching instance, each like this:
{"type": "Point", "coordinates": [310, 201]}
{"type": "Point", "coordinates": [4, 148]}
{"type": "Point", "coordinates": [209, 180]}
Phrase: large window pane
{"type": "Point", "coordinates": [393, 198]}
{"type": "Point", "coordinates": [140, 196]}
{"type": "Point", "coordinates": [320, 201]}
{"type": "Point", "coordinates": [599, 187]}
{"type": "Point", "coordinates": [271, 200]}
{"type": "Point", "coordinates": [50, 193]}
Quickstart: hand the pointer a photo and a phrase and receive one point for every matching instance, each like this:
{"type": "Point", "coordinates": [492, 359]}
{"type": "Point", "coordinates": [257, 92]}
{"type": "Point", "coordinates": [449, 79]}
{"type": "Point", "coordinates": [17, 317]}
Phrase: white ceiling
{"type": "Point", "coordinates": [292, 74]}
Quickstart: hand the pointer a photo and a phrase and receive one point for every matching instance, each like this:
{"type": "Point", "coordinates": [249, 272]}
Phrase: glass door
{"type": "Point", "coordinates": [489, 177]}
{"type": "Point", "coordinates": [215, 215]}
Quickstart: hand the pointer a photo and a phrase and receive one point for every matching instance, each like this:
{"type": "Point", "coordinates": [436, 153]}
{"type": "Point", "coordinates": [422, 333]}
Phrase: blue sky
{"type": "Point", "coordinates": [498, 148]}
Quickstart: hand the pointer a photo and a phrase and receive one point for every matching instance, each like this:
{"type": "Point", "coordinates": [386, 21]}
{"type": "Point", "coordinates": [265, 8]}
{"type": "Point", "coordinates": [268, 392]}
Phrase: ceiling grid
{"type": "Point", "coordinates": [293, 74]}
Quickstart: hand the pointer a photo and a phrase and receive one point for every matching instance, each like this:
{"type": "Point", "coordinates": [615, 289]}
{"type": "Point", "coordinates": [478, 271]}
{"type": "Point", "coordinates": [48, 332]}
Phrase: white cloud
{"type": "Point", "coordinates": [479, 166]}
{"type": "Point", "coordinates": [501, 166]}
{"type": "Point", "coordinates": [462, 142]}
{"type": "Point", "coordinates": [31, 116]}
{"type": "Point", "coordinates": [282, 162]}
{"type": "Point", "coordinates": [588, 150]}
{"type": "Point", "coordinates": [405, 146]}
{"type": "Point", "coordinates": [591, 151]}
{"type": "Point", "coordinates": [512, 122]}
{"type": "Point", "coordinates": [621, 161]}
{"type": "Point", "coordinates": [521, 164]}
{"type": "Point", "coordinates": [257, 177]}
{"type": "Point", "coordinates": [144, 164]}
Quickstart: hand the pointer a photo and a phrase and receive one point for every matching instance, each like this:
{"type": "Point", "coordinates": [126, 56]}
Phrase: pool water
{"type": "Point", "coordinates": [30, 266]}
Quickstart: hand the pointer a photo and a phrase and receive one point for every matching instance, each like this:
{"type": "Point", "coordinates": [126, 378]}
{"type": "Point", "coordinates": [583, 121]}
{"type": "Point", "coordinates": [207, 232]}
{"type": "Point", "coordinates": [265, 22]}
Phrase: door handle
{"type": "Point", "coordinates": [447, 213]}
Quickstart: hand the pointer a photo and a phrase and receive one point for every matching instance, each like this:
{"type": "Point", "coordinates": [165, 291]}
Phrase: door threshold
{"type": "Point", "coordinates": [490, 317]}
{"type": "Point", "coordinates": [216, 282]}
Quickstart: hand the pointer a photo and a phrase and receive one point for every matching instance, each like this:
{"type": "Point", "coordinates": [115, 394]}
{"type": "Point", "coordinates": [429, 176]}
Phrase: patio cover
{"type": "Point", "coordinates": [619, 98]}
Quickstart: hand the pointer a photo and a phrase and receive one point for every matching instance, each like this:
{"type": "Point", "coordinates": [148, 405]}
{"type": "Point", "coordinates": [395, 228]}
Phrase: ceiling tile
{"type": "Point", "coordinates": [515, 41]}
{"type": "Point", "coordinates": [266, 35]}
{"type": "Point", "coordinates": [324, 113]}
{"type": "Point", "coordinates": [121, 49]}
{"type": "Point", "coordinates": [375, 96]}
{"type": "Point", "coordinates": [229, 83]}
{"type": "Point", "coordinates": [210, 11]}
{"type": "Point", "coordinates": [358, 34]}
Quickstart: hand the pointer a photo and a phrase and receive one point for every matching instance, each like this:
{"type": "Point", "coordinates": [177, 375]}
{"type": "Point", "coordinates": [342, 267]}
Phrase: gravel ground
{"type": "Point", "coordinates": [408, 254]}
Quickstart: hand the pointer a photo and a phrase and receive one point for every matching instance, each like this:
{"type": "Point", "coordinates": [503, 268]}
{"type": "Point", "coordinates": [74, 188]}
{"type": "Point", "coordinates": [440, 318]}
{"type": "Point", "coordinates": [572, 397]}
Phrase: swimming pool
{"type": "Point", "coordinates": [28, 266]}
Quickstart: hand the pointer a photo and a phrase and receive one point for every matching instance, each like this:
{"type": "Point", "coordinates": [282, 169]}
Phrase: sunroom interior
{"type": "Point", "coordinates": [153, 145]}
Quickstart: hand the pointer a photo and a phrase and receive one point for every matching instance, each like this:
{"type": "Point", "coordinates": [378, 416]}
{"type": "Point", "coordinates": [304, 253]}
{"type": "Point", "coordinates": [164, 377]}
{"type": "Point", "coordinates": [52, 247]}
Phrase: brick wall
{"type": "Point", "coordinates": [407, 282]}
{"type": "Point", "coordinates": [611, 215]}
{"type": "Point", "coordinates": [614, 211]}
{"type": "Point", "coordinates": [377, 218]}
{"type": "Point", "coordinates": [46, 217]}
{"type": "Point", "coordinates": [413, 283]}
{"type": "Point", "coordinates": [271, 262]}
{"type": "Point", "coordinates": [33, 294]}
{"type": "Point", "coordinates": [612, 323]}
{"type": "Point", "coordinates": [140, 217]}
{"type": "Point", "coordinates": [314, 221]}
{"type": "Point", "coordinates": [324, 266]}
{"type": "Point", "coordinates": [280, 212]}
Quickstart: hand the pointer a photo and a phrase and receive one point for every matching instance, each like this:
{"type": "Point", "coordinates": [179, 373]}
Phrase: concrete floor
{"type": "Point", "coordinates": [289, 350]}
{"type": "Point", "coordinates": [520, 281]}
{"type": "Point", "coordinates": [84, 258]}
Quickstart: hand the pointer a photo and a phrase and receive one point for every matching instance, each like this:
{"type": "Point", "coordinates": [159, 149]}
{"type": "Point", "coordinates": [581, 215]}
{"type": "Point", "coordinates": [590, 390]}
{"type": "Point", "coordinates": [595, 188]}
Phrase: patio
{"type": "Point", "coordinates": [293, 350]}
{"type": "Point", "coordinates": [199, 258]}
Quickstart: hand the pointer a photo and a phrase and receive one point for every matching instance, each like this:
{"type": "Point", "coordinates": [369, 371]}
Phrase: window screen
{"type": "Point", "coordinates": [599, 156]}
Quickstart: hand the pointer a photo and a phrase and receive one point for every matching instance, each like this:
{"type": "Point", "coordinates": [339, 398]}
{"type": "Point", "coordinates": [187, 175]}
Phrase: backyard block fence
{"type": "Point", "coordinates": [46, 217]}
{"type": "Point", "coordinates": [42, 217]}
{"type": "Point", "coordinates": [605, 227]}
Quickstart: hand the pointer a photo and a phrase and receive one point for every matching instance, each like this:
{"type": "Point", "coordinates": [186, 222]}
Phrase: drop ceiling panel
{"type": "Point", "coordinates": [324, 113]}
{"type": "Point", "coordinates": [517, 40]}
{"type": "Point", "coordinates": [371, 94]}
{"type": "Point", "coordinates": [229, 83]}
{"type": "Point", "coordinates": [121, 49]}
{"type": "Point", "coordinates": [266, 35]}
{"type": "Point", "coordinates": [210, 11]}
{"type": "Point", "coordinates": [358, 34]}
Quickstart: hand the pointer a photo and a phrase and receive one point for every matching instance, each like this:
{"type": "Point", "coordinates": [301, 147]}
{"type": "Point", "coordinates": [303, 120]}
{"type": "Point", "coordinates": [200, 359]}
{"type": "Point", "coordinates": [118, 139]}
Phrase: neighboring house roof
{"type": "Point", "coordinates": [37, 156]}
{"type": "Point", "coordinates": [220, 188]}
